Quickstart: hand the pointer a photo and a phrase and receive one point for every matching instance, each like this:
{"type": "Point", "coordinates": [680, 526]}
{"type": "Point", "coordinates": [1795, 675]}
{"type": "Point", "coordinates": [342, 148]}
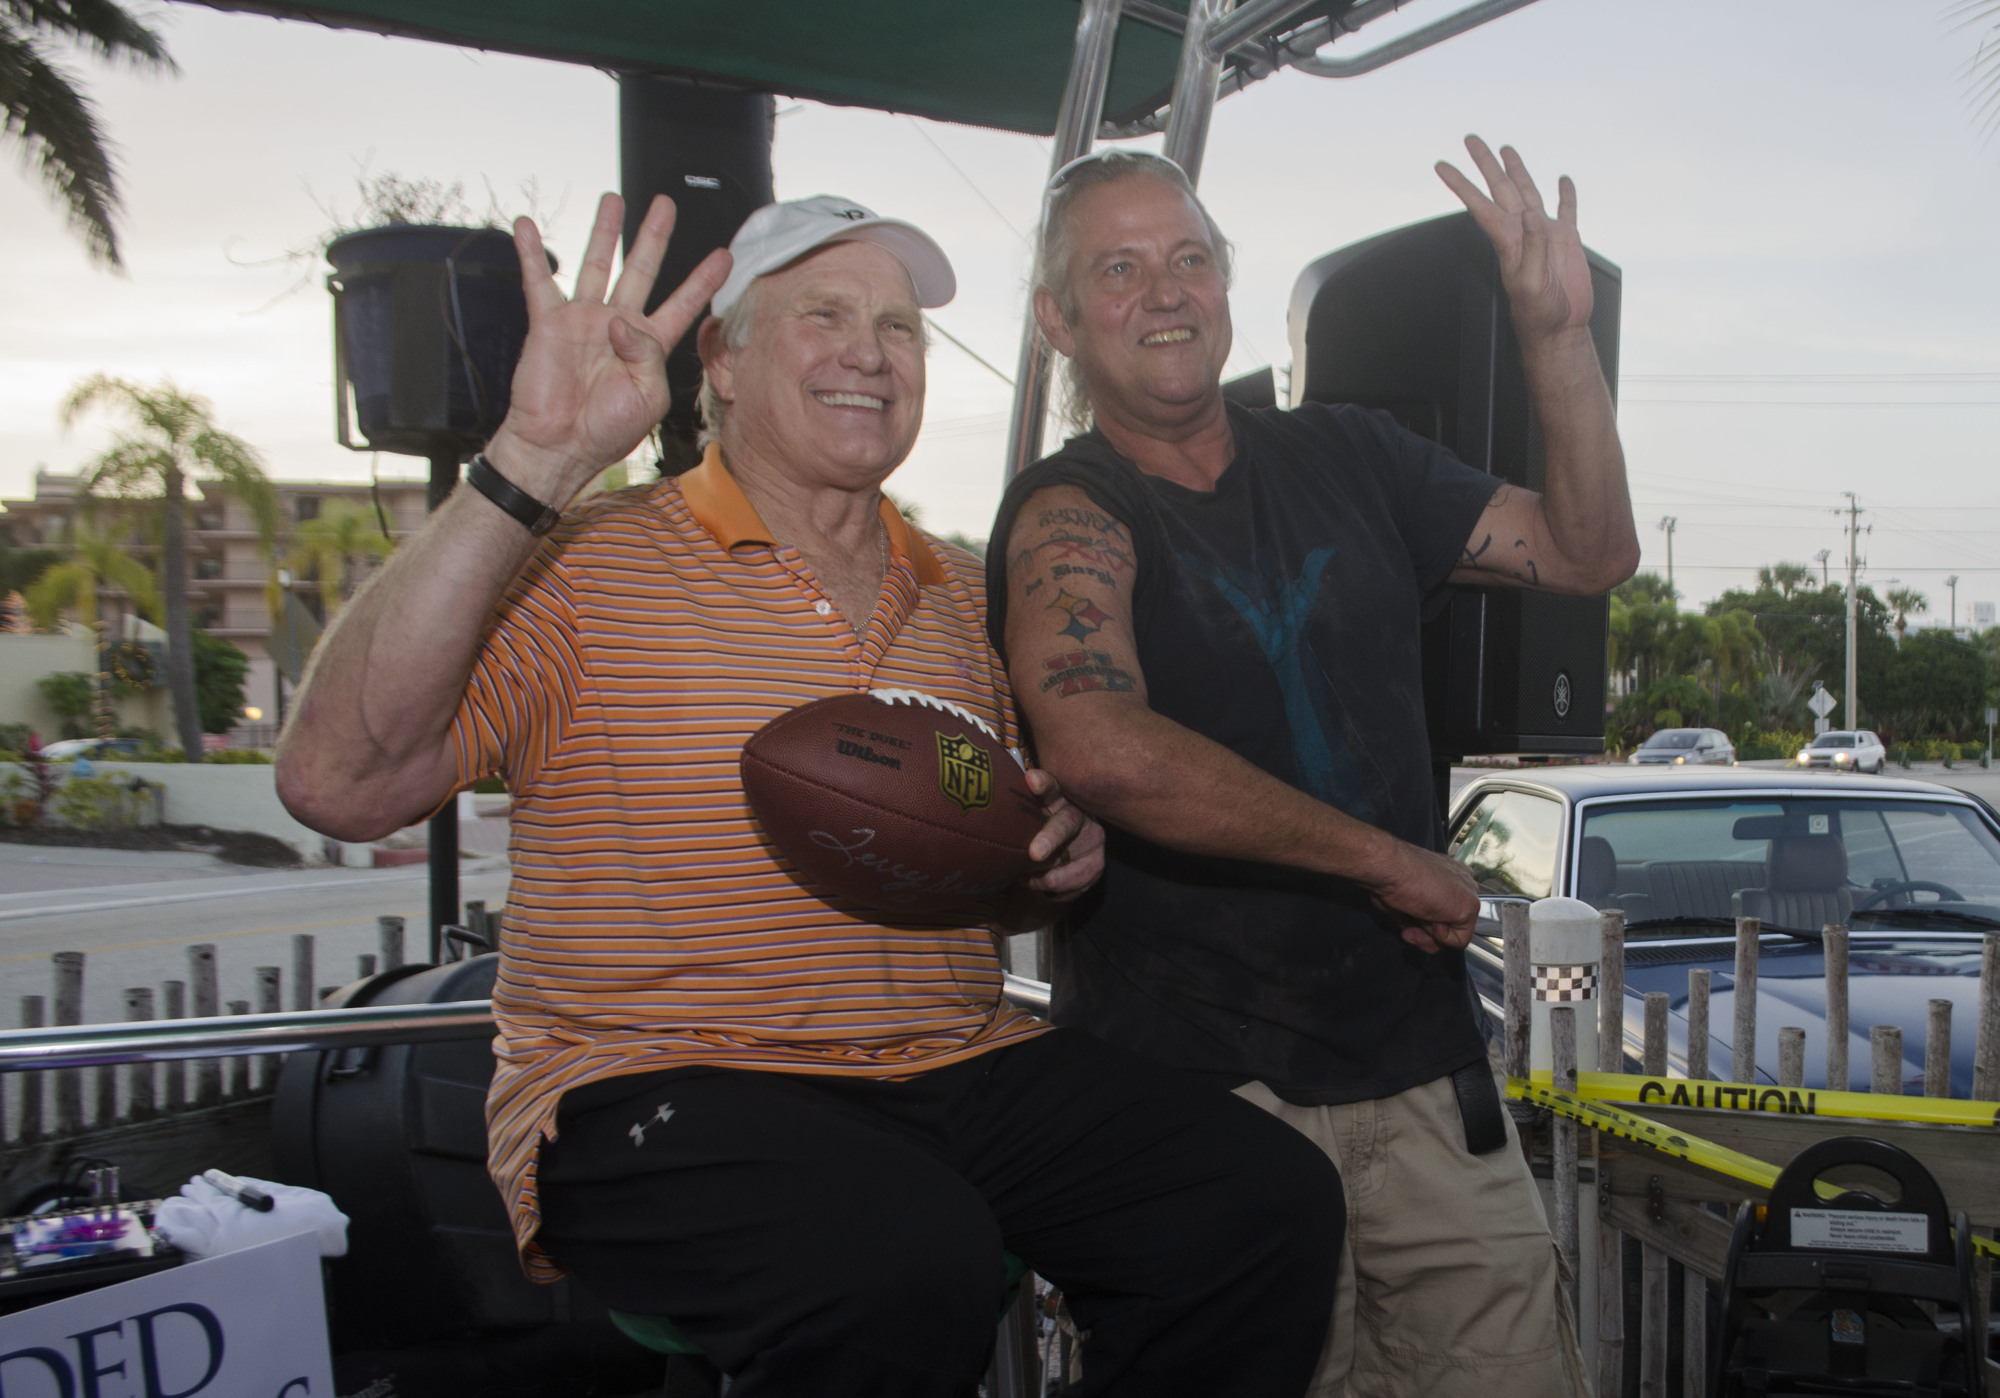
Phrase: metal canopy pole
{"type": "Point", "coordinates": [1415, 41]}
{"type": "Point", "coordinates": [1193, 102]}
{"type": "Point", "coordinates": [1076, 128]}
{"type": "Point", "coordinates": [443, 852]}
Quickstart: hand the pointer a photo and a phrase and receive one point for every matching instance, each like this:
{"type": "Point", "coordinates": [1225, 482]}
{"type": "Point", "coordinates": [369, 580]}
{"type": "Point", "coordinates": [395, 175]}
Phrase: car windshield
{"type": "Point", "coordinates": [1797, 862]}
{"type": "Point", "coordinates": [1673, 738]}
{"type": "Point", "coordinates": [1834, 740]}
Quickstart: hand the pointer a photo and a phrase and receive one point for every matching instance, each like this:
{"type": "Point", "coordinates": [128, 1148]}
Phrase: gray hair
{"type": "Point", "coordinates": [1057, 251]}
{"type": "Point", "coordinates": [735, 335]}
{"type": "Point", "coordinates": [736, 322]}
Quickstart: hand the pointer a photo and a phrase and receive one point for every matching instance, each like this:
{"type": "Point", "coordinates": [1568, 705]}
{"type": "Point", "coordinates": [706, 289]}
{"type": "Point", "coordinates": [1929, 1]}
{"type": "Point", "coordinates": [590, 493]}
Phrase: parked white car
{"type": "Point", "coordinates": [1845, 750]}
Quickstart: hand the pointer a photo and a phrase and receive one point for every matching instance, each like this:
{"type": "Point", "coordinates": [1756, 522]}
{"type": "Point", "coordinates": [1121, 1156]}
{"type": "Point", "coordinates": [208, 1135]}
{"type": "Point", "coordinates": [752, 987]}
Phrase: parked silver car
{"type": "Point", "coordinates": [1845, 750]}
{"type": "Point", "coordinates": [1911, 867]}
{"type": "Point", "coordinates": [1685, 747]}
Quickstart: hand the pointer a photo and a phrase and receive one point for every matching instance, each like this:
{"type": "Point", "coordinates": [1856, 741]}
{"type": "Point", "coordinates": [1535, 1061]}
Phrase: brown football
{"type": "Point", "coordinates": [892, 798]}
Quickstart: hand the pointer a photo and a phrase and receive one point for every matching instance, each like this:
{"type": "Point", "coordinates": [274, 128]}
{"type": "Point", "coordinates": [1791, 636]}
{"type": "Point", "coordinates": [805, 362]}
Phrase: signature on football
{"type": "Point", "coordinates": [898, 877]}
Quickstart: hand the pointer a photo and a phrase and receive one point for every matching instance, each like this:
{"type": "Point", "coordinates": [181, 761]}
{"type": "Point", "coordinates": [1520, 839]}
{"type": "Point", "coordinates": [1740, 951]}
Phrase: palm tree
{"type": "Point", "coordinates": [327, 549]}
{"type": "Point", "coordinates": [96, 566]}
{"type": "Point", "coordinates": [1983, 69]}
{"type": "Point", "coordinates": [41, 108]}
{"type": "Point", "coordinates": [1905, 602]}
{"type": "Point", "coordinates": [1785, 578]}
{"type": "Point", "coordinates": [172, 439]}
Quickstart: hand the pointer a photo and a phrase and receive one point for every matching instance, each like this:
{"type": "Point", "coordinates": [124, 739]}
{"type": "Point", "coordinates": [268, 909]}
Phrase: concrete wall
{"type": "Point", "coordinates": [222, 796]}
{"type": "Point", "coordinates": [26, 659]}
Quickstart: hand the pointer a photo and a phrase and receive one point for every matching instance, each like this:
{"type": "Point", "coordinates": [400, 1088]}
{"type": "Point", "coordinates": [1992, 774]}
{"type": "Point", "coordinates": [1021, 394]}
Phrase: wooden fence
{"type": "Point", "coordinates": [46, 1106]}
{"type": "Point", "coordinates": [1677, 1217]}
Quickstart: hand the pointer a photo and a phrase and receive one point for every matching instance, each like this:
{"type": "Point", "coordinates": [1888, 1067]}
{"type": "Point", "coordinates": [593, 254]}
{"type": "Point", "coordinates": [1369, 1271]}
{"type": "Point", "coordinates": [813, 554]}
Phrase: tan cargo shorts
{"type": "Point", "coordinates": [1449, 1284]}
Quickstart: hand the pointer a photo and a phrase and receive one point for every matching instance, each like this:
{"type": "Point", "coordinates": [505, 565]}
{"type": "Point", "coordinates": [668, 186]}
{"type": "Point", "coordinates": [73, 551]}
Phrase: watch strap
{"type": "Point", "coordinates": [537, 518]}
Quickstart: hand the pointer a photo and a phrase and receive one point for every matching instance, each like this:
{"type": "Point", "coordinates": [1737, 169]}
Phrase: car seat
{"type": "Point", "coordinates": [1597, 872]}
{"type": "Point", "coordinates": [1807, 887]}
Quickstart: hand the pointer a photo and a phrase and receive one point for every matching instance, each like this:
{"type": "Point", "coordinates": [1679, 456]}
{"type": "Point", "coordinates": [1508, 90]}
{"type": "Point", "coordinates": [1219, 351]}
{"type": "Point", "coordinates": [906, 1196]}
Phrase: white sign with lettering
{"type": "Point", "coordinates": [1854, 1230]}
{"type": "Point", "coordinates": [248, 1324]}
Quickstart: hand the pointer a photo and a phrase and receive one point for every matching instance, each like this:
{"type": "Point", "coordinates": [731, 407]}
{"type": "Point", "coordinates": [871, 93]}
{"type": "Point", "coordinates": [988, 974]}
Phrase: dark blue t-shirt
{"type": "Point", "coordinates": [1277, 615]}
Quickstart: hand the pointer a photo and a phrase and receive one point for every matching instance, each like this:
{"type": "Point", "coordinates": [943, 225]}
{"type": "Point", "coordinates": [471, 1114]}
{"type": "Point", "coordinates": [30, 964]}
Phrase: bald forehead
{"type": "Point", "coordinates": [1141, 208]}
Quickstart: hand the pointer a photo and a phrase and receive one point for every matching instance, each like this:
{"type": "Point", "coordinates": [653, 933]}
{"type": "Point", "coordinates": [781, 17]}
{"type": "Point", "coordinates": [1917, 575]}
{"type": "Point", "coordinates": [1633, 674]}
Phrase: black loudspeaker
{"type": "Point", "coordinates": [707, 148]}
{"type": "Point", "coordinates": [1415, 322]}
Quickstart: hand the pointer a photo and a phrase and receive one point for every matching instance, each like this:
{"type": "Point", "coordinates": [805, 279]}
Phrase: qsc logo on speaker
{"type": "Point", "coordinates": [1562, 695]}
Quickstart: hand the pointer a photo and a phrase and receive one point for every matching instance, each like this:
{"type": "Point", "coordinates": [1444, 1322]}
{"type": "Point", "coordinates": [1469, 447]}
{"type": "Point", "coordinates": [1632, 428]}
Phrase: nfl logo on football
{"type": "Point", "coordinates": [965, 772]}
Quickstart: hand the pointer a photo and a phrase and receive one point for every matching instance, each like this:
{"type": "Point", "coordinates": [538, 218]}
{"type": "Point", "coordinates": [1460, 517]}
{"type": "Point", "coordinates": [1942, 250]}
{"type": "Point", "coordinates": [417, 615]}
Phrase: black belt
{"type": "Point", "coordinates": [1479, 1108]}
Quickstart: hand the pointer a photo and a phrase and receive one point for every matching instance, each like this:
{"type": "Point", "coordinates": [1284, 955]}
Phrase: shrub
{"type": "Point", "coordinates": [15, 737]}
{"type": "Point", "coordinates": [93, 803]}
{"type": "Point", "coordinates": [240, 757]}
{"type": "Point", "coordinates": [1768, 743]}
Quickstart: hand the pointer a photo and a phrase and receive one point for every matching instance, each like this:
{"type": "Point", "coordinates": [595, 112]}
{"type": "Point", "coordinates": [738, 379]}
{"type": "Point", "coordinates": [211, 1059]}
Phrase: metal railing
{"type": "Point", "coordinates": [295, 1031]}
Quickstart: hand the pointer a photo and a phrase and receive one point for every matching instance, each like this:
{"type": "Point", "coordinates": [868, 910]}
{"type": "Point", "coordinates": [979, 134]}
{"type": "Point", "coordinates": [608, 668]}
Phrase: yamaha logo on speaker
{"type": "Point", "coordinates": [1562, 694]}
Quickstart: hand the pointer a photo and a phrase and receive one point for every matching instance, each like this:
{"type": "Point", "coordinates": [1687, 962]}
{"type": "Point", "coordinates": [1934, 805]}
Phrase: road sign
{"type": "Point", "coordinates": [1821, 702]}
{"type": "Point", "coordinates": [1992, 717]}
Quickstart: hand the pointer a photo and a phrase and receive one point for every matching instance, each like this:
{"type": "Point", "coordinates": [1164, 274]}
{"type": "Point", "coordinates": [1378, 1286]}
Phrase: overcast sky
{"type": "Point", "coordinates": [1797, 190]}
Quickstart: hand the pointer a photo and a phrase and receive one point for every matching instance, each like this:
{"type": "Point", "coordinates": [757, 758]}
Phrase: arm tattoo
{"type": "Point", "coordinates": [1081, 671]}
{"type": "Point", "coordinates": [1077, 616]}
{"type": "Point", "coordinates": [1534, 573]}
{"type": "Point", "coordinates": [1082, 519]}
{"type": "Point", "coordinates": [1470, 558]}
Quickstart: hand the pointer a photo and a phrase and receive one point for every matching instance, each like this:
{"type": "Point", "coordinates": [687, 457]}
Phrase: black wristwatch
{"type": "Point", "coordinates": [536, 517]}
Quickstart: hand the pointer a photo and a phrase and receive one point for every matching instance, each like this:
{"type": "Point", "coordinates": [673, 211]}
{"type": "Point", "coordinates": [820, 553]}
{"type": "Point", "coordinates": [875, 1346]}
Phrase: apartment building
{"type": "Point", "coordinates": [228, 569]}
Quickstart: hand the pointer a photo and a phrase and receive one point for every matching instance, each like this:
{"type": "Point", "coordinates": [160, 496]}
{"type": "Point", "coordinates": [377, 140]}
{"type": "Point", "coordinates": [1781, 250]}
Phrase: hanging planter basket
{"type": "Point", "coordinates": [428, 323]}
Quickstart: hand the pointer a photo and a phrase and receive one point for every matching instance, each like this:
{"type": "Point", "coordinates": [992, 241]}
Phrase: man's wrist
{"type": "Point", "coordinates": [539, 472]}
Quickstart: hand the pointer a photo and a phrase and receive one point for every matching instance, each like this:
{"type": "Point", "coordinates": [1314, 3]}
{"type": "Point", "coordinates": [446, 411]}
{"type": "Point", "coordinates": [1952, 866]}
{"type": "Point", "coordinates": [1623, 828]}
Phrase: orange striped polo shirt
{"type": "Point", "coordinates": [649, 922]}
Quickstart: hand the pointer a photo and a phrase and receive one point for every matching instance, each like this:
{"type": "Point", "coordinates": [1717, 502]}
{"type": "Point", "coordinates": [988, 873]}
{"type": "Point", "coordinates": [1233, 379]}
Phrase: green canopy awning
{"type": "Point", "coordinates": [998, 63]}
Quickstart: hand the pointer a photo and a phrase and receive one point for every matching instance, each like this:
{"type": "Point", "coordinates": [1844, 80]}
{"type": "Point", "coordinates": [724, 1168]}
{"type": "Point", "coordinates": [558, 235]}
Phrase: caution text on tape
{"type": "Point", "coordinates": [1787, 1101]}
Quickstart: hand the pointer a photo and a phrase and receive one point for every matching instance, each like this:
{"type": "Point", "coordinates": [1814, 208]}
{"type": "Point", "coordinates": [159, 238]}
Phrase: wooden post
{"type": "Point", "coordinates": [364, 965]}
{"type": "Point", "coordinates": [1694, 1299]}
{"type": "Point", "coordinates": [270, 1000]}
{"type": "Point", "coordinates": [1562, 1045]}
{"type": "Point", "coordinates": [175, 1001]}
{"type": "Point", "coordinates": [236, 1068]}
{"type": "Point", "coordinates": [475, 922]}
{"type": "Point", "coordinates": [1610, 1242]}
{"type": "Point", "coordinates": [1986, 1055]}
{"type": "Point", "coordinates": [1698, 1032]}
{"type": "Point", "coordinates": [207, 997]}
{"type": "Point", "coordinates": [302, 971]}
{"type": "Point", "coordinates": [139, 1079]}
{"type": "Point", "coordinates": [1743, 1043]}
{"type": "Point", "coordinates": [69, 1010]}
{"type": "Point", "coordinates": [1834, 939]}
{"type": "Point", "coordinates": [1791, 1057]}
{"type": "Point", "coordinates": [1652, 1262]}
{"type": "Point", "coordinates": [1937, 1050]}
{"type": "Point", "coordinates": [1885, 1050]}
{"type": "Point", "coordinates": [1517, 991]}
{"type": "Point", "coordinates": [34, 1014]}
{"type": "Point", "coordinates": [390, 929]}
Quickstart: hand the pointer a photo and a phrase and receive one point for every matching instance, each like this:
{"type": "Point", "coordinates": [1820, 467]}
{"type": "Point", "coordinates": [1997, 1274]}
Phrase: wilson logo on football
{"type": "Point", "coordinates": [965, 772]}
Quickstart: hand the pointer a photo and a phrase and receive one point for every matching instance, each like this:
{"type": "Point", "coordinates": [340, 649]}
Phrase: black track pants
{"type": "Point", "coordinates": [822, 1237]}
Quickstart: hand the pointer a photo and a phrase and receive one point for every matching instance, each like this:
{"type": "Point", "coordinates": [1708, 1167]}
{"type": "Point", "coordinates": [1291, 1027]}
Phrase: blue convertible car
{"type": "Point", "coordinates": [1912, 868]}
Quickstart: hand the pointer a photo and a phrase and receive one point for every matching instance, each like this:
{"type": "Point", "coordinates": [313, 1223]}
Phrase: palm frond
{"type": "Point", "coordinates": [41, 107]}
{"type": "Point", "coordinates": [1982, 71]}
{"type": "Point", "coordinates": [101, 27]}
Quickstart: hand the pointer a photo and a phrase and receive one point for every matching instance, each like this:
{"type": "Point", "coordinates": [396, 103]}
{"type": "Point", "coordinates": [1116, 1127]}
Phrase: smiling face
{"type": "Point", "coordinates": [1149, 306]}
{"type": "Point", "coordinates": [829, 387]}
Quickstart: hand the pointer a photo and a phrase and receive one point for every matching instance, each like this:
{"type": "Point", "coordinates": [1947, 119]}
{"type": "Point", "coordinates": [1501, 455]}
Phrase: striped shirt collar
{"type": "Point", "coordinates": [720, 506]}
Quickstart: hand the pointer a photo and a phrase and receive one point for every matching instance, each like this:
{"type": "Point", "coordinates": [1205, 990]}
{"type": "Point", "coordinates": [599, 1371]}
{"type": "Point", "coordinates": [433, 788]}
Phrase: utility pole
{"type": "Point", "coordinates": [1952, 583]}
{"type": "Point", "coordinates": [1850, 716]}
{"type": "Point", "coordinates": [1821, 558]}
{"type": "Point", "coordinates": [1668, 523]}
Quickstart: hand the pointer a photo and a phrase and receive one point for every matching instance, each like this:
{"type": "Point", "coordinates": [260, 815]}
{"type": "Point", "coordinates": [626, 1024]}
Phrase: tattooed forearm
{"type": "Point", "coordinates": [1081, 671]}
{"type": "Point", "coordinates": [1534, 574]}
{"type": "Point", "coordinates": [1470, 558]}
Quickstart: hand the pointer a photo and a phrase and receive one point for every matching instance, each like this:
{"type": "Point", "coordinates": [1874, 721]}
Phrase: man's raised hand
{"type": "Point", "coordinates": [1542, 261]}
{"type": "Point", "coordinates": [592, 378]}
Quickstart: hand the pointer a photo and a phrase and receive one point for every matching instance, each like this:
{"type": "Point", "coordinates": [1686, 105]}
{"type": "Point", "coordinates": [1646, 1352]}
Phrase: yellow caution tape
{"type": "Point", "coordinates": [1681, 1145]}
{"type": "Point", "coordinates": [1790, 1101]}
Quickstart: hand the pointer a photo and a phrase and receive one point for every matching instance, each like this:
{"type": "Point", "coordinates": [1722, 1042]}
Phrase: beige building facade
{"type": "Point", "coordinates": [228, 568]}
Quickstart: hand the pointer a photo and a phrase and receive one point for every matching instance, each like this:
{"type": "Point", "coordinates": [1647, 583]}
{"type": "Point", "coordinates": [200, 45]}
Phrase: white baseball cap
{"type": "Point", "coordinates": [780, 234]}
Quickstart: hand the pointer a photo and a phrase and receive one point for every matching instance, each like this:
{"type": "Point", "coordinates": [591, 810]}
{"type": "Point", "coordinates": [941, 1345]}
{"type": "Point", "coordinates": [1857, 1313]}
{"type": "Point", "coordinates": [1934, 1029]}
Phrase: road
{"type": "Point", "coordinates": [133, 916]}
{"type": "Point", "coordinates": [137, 933]}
